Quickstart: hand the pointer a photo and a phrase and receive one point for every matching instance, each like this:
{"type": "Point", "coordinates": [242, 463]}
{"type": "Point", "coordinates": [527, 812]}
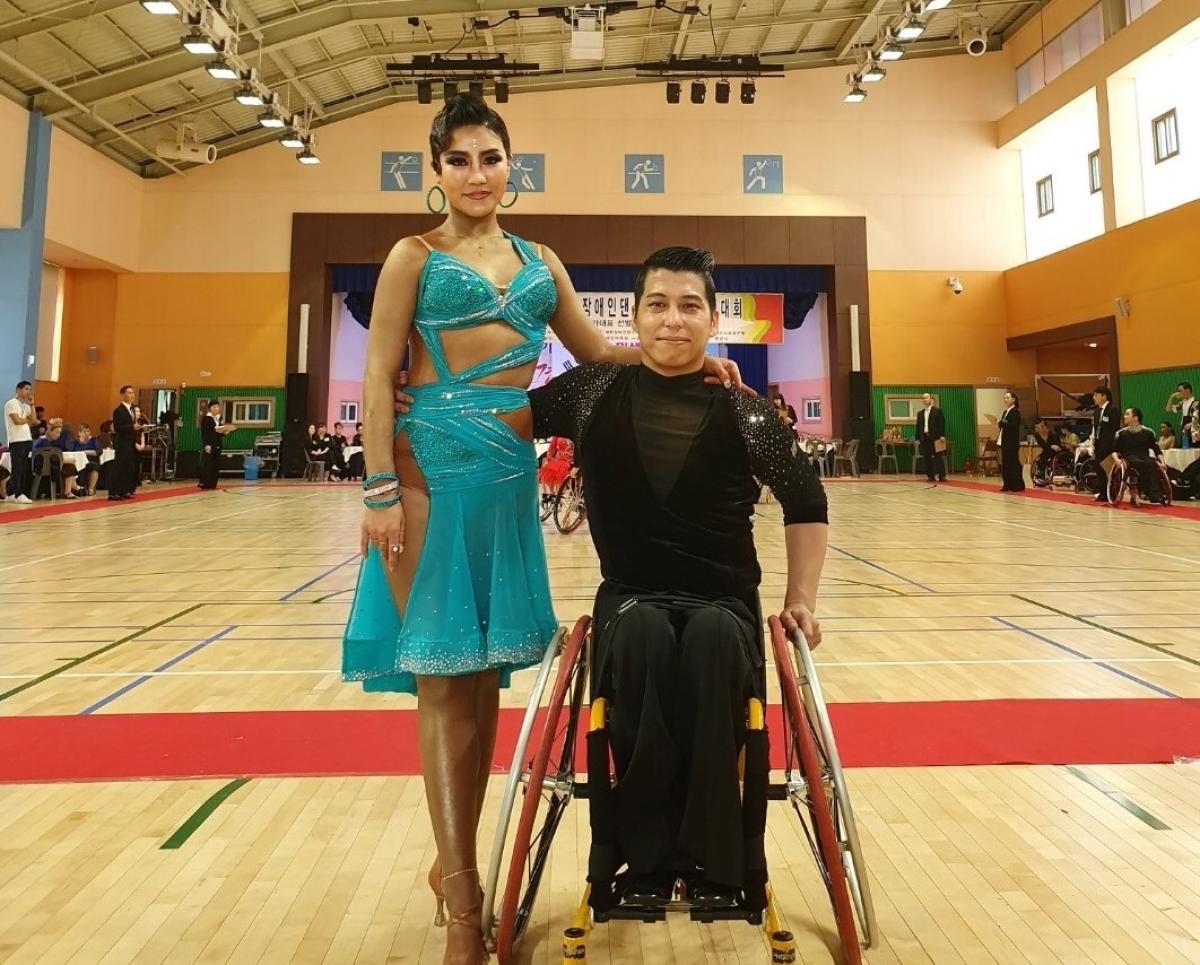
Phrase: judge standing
{"type": "Point", "coordinates": [931, 436]}
{"type": "Point", "coordinates": [122, 477]}
{"type": "Point", "coordinates": [1010, 445]}
{"type": "Point", "coordinates": [1104, 434]}
{"type": "Point", "coordinates": [212, 435]}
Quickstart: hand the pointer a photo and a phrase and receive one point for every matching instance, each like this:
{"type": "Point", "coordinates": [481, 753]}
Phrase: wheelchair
{"type": "Point", "coordinates": [1057, 469]}
{"type": "Point", "coordinates": [1124, 480]}
{"type": "Point", "coordinates": [544, 778]}
{"type": "Point", "coordinates": [566, 504]}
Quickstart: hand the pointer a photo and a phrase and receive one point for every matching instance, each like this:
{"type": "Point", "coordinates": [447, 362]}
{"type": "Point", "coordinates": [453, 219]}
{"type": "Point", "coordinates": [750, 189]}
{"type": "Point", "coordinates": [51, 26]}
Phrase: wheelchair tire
{"type": "Point", "coordinates": [557, 741]}
{"type": "Point", "coordinates": [844, 825]}
{"type": "Point", "coordinates": [1116, 485]}
{"type": "Point", "coordinates": [569, 508]}
{"type": "Point", "coordinates": [1040, 472]}
{"type": "Point", "coordinates": [1165, 482]}
{"type": "Point", "coordinates": [812, 796]}
{"type": "Point", "coordinates": [1090, 477]}
{"type": "Point", "coordinates": [545, 505]}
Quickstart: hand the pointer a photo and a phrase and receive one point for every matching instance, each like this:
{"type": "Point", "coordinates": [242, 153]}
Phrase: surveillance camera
{"type": "Point", "coordinates": [955, 285]}
{"type": "Point", "coordinates": [974, 39]}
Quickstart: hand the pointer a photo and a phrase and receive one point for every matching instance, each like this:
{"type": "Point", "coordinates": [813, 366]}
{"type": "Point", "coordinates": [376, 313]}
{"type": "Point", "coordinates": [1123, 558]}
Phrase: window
{"type": "Point", "coordinates": [1135, 8]}
{"type": "Point", "coordinates": [348, 412]}
{"type": "Point", "coordinates": [1166, 136]}
{"type": "Point", "coordinates": [249, 412]}
{"type": "Point", "coordinates": [1094, 171]}
{"type": "Point", "coordinates": [1061, 52]}
{"type": "Point", "coordinates": [1045, 196]}
{"type": "Point", "coordinates": [903, 409]}
{"type": "Point", "coordinates": [812, 410]}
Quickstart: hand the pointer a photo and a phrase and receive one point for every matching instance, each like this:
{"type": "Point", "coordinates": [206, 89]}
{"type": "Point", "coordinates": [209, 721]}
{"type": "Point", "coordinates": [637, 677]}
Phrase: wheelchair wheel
{"type": "Point", "coordinates": [545, 504]}
{"type": "Point", "coordinates": [1062, 466]}
{"type": "Point", "coordinates": [1090, 477]}
{"type": "Point", "coordinates": [549, 782]}
{"type": "Point", "coordinates": [1040, 472]}
{"type": "Point", "coordinates": [569, 508]}
{"type": "Point", "coordinates": [1117, 485]}
{"type": "Point", "coordinates": [1165, 482]}
{"type": "Point", "coordinates": [809, 789]}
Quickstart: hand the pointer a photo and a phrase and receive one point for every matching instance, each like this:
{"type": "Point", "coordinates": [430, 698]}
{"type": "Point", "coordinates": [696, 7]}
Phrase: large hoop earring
{"type": "Point", "coordinates": [429, 194]}
{"type": "Point", "coordinates": [516, 194]}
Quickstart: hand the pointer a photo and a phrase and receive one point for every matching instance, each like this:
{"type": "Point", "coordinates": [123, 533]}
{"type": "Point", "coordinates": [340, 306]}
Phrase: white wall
{"type": "Point", "coordinates": [1170, 83]}
{"type": "Point", "coordinates": [1059, 148]}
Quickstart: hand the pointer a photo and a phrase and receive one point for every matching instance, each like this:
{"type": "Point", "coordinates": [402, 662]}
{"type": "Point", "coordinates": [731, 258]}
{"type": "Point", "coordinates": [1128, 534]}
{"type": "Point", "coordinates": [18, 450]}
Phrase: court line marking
{"type": "Point", "coordinates": [155, 532]}
{"type": "Point", "coordinates": [200, 815]}
{"type": "Point", "coordinates": [145, 678]}
{"type": "Point", "coordinates": [318, 579]}
{"type": "Point", "coordinates": [1084, 657]}
{"type": "Point", "coordinates": [1118, 798]}
{"type": "Point", "coordinates": [882, 569]}
{"type": "Point", "coordinates": [95, 653]}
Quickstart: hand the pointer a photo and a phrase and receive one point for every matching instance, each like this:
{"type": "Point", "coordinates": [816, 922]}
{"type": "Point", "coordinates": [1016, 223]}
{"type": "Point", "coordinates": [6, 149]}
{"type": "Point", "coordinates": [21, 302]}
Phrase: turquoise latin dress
{"type": "Point", "coordinates": [480, 597]}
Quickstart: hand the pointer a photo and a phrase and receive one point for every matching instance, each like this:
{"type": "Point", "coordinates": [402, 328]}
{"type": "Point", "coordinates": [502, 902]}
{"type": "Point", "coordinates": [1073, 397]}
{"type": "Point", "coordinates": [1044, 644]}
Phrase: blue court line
{"type": "Point", "coordinates": [1084, 656]}
{"type": "Point", "coordinates": [166, 666]}
{"type": "Point", "coordinates": [318, 579]}
{"type": "Point", "coordinates": [882, 569]}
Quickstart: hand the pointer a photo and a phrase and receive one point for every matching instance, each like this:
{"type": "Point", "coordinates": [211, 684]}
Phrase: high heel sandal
{"type": "Point", "coordinates": [471, 918]}
{"type": "Point", "coordinates": [439, 896]}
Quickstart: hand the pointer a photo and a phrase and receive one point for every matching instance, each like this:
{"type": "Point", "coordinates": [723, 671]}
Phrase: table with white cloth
{"type": "Point", "coordinates": [351, 451]}
{"type": "Point", "coordinates": [107, 455]}
{"type": "Point", "coordinates": [77, 459]}
{"type": "Point", "coordinates": [1180, 458]}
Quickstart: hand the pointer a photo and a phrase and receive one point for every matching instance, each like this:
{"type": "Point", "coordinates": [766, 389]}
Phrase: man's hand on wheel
{"type": "Point", "coordinates": [797, 616]}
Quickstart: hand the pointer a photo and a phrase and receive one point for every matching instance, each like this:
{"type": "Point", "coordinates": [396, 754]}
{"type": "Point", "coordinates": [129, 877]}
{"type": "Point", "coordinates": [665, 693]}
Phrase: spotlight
{"type": "Point", "coordinates": [197, 43]}
{"type": "Point", "coordinates": [872, 73]}
{"type": "Point", "coordinates": [292, 139]}
{"type": "Point", "coordinates": [890, 50]}
{"type": "Point", "coordinates": [747, 92]}
{"type": "Point", "coordinates": [248, 96]}
{"type": "Point", "coordinates": [449, 89]}
{"type": "Point", "coordinates": [307, 157]}
{"type": "Point", "coordinates": [424, 92]}
{"type": "Point", "coordinates": [501, 92]}
{"type": "Point", "coordinates": [698, 91]}
{"type": "Point", "coordinates": [911, 28]}
{"type": "Point", "coordinates": [931, 5]}
{"type": "Point", "coordinates": [221, 71]}
{"type": "Point", "coordinates": [721, 94]}
{"type": "Point", "coordinates": [476, 88]}
{"type": "Point", "coordinates": [160, 7]}
{"type": "Point", "coordinates": [270, 119]}
{"type": "Point", "coordinates": [856, 96]}
{"type": "Point", "coordinates": [673, 90]}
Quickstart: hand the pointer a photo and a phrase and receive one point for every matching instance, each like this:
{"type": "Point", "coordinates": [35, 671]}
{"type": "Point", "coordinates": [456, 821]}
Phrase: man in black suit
{"type": "Point", "coordinates": [212, 435]}
{"type": "Point", "coordinates": [122, 475]}
{"type": "Point", "coordinates": [1105, 423]}
{"type": "Point", "coordinates": [1009, 425]}
{"type": "Point", "coordinates": [931, 432]}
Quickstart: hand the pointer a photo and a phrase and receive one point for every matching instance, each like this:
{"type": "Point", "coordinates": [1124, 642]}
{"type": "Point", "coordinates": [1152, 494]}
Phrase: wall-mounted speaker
{"type": "Point", "coordinates": [93, 354]}
{"type": "Point", "coordinates": [297, 397]}
{"type": "Point", "coordinates": [860, 395]}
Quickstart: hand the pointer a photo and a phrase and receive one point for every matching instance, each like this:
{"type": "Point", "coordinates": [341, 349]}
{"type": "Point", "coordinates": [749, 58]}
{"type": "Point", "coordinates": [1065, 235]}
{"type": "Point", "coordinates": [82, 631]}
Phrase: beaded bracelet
{"type": "Point", "coordinates": [375, 477]}
{"type": "Point", "coordinates": [385, 504]}
{"type": "Point", "coordinates": [383, 490]}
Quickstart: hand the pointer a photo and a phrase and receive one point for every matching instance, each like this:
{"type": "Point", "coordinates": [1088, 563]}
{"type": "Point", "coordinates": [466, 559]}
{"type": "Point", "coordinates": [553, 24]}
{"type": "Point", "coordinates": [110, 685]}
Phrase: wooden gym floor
{"type": "Point", "coordinates": [234, 601]}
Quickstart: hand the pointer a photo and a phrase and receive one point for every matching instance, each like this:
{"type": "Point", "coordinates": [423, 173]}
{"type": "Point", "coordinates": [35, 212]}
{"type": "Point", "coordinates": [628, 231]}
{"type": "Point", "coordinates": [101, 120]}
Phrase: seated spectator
{"type": "Point", "coordinates": [357, 440]}
{"type": "Point", "coordinates": [321, 449]}
{"type": "Point", "coordinates": [106, 437]}
{"type": "Point", "coordinates": [39, 427]}
{"type": "Point", "coordinates": [1135, 447]}
{"type": "Point", "coordinates": [4, 474]}
{"type": "Point", "coordinates": [64, 480]}
{"type": "Point", "coordinates": [1166, 436]}
{"type": "Point", "coordinates": [88, 443]}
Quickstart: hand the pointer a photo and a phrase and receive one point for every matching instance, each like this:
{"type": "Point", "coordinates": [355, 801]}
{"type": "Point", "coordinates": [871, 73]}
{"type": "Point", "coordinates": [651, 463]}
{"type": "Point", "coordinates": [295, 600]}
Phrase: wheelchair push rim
{"type": "Point", "coordinates": [1165, 482]}
{"type": "Point", "coordinates": [1116, 485]}
{"type": "Point", "coordinates": [530, 853]}
{"type": "Point", "coordinates": [569, 508]}
{"type": "Point", "coordinates": [812, 796]}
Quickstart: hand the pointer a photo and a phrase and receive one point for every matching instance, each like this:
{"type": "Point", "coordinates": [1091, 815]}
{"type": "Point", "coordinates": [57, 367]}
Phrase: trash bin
{"type": "Point", "coordinates": [250, 467]}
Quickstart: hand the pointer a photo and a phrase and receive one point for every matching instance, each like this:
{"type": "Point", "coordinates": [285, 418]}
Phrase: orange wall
{"type": "Point", "coordinates": [1152, 263]}
{"type": "Point", "coordinates": [85, 391]}
{"type": "Point", "coordinates": [1072, 359]}
{"type": "Point", "coordinates": [922, 332]}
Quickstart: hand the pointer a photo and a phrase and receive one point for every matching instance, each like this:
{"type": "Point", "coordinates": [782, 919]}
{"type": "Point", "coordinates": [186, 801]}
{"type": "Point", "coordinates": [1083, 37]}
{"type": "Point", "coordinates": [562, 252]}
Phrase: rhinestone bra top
{"type": "Point", "coordinates": [453, 295]}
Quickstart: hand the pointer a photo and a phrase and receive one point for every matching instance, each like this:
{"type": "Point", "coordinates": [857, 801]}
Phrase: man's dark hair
{"type": "Point", "coordinates": [24, 385]}
{"type": "Point", "coordinates": [123, 389]}
{"type": "Point", "coordinates": [1136, 411]}
{"type": "Point", "coordinates": [39, 409]}
{"type": "Point", "coordinates": [463, 110]}
{"type": "Point", "coordinates": [678, 258]}
{"type": "Point", "coordinates": [358, 425]}
{"type": "Point", "coordinates": [320, 425]}
{"type": "Point", "coordinates": [1103, 390]}
{"type": "Point", "coordinates": [212, 402]}
{"type": "Point", "coordinates": [1185, 386]}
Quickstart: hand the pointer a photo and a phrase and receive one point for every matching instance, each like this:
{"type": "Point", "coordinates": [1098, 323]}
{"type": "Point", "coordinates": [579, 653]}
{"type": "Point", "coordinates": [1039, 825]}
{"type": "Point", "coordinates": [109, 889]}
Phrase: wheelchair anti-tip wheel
{"type": "Point", "coordinates": [569, 507]}
{"type": "Point", "coordinates": [547, 771]}
{"type": "Point", "coordinates": [821, 800]}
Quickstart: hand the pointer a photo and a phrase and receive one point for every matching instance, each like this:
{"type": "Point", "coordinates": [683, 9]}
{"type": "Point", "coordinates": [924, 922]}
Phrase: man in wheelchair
{"type": "Point", "coordinates": [1137, 451]}
{"type": "Point", "coordinates": [672, 468]}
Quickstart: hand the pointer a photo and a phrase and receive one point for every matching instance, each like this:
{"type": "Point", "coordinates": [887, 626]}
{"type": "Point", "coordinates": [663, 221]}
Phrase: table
{"type": "Point", "coordinates": [77, 459]}
{"type": "Point", "coordinates": [914, 451]}
{"type": "Point", "coordinates": [1180, 458]}
{"type": "Point", "coordinates": [351, 451]}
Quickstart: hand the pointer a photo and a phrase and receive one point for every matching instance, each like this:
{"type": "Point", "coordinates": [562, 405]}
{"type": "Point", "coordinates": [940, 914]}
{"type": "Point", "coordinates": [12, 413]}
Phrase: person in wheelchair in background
{"type": "Point", "coordinates": [1050, 440]}
{"type": "Point", "coordinates": [672, 469]}
{"type": "Point", "coordinates": [1137, 449]}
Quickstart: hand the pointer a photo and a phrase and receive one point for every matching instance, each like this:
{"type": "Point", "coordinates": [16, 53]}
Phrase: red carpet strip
{"type": "Point", "coordinates": [114, 747]}
{"type": "Point", "coordinates": [41, 510]}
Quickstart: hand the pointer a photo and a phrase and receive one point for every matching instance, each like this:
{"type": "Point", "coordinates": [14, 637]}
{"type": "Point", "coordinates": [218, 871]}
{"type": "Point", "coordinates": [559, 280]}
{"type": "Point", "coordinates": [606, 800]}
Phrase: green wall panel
{"type": "Point", "coordinates": [189, 430]}
{"type": "Point", "coordinates": [1149, 392]}
{"type": "Point", "coordinates": [957, 403]}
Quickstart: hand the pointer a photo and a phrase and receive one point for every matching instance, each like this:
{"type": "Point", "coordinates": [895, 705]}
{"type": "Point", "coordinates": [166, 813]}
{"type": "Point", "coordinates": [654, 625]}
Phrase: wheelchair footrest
{"type": "Point", "coordinates": [651, 913]}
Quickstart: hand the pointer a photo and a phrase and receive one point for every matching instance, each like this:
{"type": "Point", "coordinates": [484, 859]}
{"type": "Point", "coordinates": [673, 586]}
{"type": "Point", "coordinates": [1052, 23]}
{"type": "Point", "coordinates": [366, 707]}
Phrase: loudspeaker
{"type": "Point", "coordinates": [860, 396]}
{"type": "Point", "coordinates": [187, 464]}
{"type": "Point", "coordinates": [864, 431]}
{"type": "Point", "coordinates": [297, 397]}
{"type": "Point", "coordinates": [292, 456]}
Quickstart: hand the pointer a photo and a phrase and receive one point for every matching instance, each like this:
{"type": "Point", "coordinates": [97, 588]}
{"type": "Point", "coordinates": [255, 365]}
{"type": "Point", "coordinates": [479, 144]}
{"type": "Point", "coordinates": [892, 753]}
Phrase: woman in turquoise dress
{"type": "Point", "coordinates": [453, 593]}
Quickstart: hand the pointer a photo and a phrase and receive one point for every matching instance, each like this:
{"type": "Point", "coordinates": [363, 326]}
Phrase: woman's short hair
{"type": "Point", "coordinates": [463, 110]}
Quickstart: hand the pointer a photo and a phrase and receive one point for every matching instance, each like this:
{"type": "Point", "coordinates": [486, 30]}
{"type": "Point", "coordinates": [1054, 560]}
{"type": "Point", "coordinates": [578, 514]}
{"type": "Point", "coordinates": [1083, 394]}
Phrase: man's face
{"type": "Point", "coordinates": [128, 396]}
{"type": "Point", "coordinates": [320, 430]}
{"type": "Point", "coordinates": [85, 434]}
{"type": "Point", "coordinates": [25, 393]}
{"type": "Point", "coordinates": [1098, 398]}
{"type": "Point", "coordinates": [53, 433]}
{"type": "Point", "coordinates": [674, 321]}
{"type": "Point", "coordinates": [1186, 393]}
{"type": "Point", "coordinates": [214, 410]}
{"type": "Point", "coordinates": [927, 399]}
{"type": "Point", "coordinates": [1129, 418]}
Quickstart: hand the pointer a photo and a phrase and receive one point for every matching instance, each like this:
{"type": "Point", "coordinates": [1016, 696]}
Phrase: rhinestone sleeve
{"type": "Point", "coordinates": [775, 461]}
{"type": "Point", "coordinates": [563, 406]}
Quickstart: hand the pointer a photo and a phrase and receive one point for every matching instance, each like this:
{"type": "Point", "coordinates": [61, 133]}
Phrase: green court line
{"type": "Point", "coordinates": [95, 653]}
{"type": "Point", "coordinates": [1118, 798]}
{"type": "Point", "coordinates": [200, 815]}
{"type": "Point", "coordinates": [1163, 648]}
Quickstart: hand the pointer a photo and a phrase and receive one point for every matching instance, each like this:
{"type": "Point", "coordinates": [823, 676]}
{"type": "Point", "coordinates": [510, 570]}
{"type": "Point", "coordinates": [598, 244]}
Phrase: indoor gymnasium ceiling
{"type": "Point", "coordinates": [115, 75]}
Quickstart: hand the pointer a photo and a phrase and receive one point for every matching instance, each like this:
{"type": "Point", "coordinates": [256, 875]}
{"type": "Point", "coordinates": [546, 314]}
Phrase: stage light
{"type": "Point", "coordinates": [249, 97]}
{"type": "Point", "coordinates": [931, 5]}
{"type": "Point", "coordinates": [911, 28]}
{"type": "Point", "coordinates": [721, 94]}
{"type": "Point", "coordinates": [424, 92]}
{"type": "Point", "coordinates": [890, 50]}
{"type": "Point", "coordinates": [449, 89]}
{"type": "Point", "coordinates": [270, 119]}
{"type": "Point", "coordinates": [501, 92]}
{"type": "Point", "coordinates": [160, 7]}
{"type": "Point", "coordinates": [292, 139]}
{"type": "Point", "coordinates": [220, 70]}
{"type": "Point", "coordinates": [747, 92]}
{"type": "Point", "coordinates": [698, 91]}
{"type": "Point", "coordinates": [197, 43]}
{"type": "Point", "coordinates": [476, 88]}
{"type": "Point", "coordinates": [856, 96]}
{"type": "Point", "coordinates": [307, 157]}
{"type": "Point", "coordinates": [673, 91]}
{"type": "Point", "coordinates": [872, 73]}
